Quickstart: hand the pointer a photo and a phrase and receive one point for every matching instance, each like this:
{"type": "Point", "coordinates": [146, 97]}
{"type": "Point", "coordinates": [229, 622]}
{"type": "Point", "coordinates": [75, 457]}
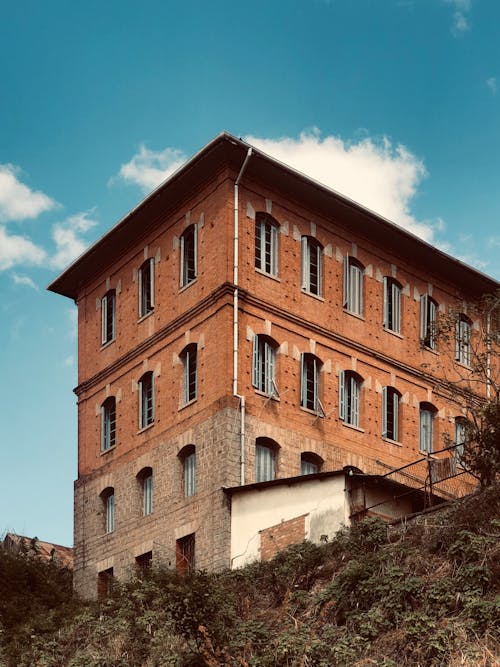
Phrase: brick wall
{"type": "Point", "coordinates": [278, 537]}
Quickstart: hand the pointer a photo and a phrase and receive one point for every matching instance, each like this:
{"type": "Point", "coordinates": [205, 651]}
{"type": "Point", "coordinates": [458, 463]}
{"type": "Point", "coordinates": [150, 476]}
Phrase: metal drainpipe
{"type": "Point", "coordinates": [235, 321]}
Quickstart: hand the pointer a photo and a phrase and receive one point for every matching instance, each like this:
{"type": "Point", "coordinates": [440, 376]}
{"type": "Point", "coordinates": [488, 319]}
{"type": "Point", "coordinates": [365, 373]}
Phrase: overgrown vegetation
{"type": "Point", "coordinates": [427, 596]}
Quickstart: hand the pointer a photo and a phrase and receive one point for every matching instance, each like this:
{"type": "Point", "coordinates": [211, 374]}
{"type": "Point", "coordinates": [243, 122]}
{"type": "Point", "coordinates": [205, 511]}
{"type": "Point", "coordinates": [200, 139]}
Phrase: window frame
{"type": "Point", "coordinates": [392, 305]}
{"type": "Point", "coordinates": [312, 272]}
{"type": "Point", "coordinates": [108, 317]}
{"type": "Point", "coordinates": [463, 332]}
{"type": "Point", "coordinates": [189, 470]}
{"type": "Point", "coordinates": [147, 494]}
{"type": "Point", "coordinates": [266, 244]}
{"type": "Point", "coordinates": [146, 400]}
{"type": "Point", "coordinates": [310, 463]}
{"type": "Point", "coordinates": [460, 438]}
{"type": "Point", "coordinates": [427, 413]}
{"type": "Point", "coordinates": [428, 321]}
{"type": "Point", "coordinates": [264, 364]}
{"type": "Point", "coordinates": [391, 398]}
{"type": "Point", "coordinates": [353, 286]}
{"type": "Point", "coordinates": [310, 386]}
{"type": "Point", "coordinates": [265, 460]}
{"type": "Point", "coordinates": [108, 499]}
{"type": "Point", "coordinates": [146, 284]}
{"type": "Point", "coordinates": [189, 255]}
{"type": "Point", "coordinates": [189, 358]}
{"type": "Point", "coordinates": [350, 385]}
{"type": "Point", "coordinates": [108, 424]}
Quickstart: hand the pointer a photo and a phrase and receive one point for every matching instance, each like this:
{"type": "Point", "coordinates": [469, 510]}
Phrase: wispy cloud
{"type": "Point", "coordinates": [492, 84]}
{"type": "Point", "coordinates": [69, 361]}
{"type": "Point", "coordinates": [149, 168]}
{"type": "Point", "coordinates": [381, 176]}
{"type": "Point", "coordinates": [68, 238]}
{"type": "Point", "coordinates": [460, 19]}
{"type": "Point", "coordinates": [73, 322]}
{"type": "Point", "coordinates": [16, 249]}
{"type": "Point", "coordinates": [24, 280]}
{"type": "Point", "coordinates": [17, 200]}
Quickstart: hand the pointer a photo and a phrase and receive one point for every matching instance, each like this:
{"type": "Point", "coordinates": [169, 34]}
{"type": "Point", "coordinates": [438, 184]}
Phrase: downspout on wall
{"type": "Point", "coordinates": [235, 318]}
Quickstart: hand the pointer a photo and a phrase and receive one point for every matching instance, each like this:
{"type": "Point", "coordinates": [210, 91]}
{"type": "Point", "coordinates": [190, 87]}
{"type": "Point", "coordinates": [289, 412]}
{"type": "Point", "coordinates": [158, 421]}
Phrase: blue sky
{"type": "Point", "coordinates": [396, 103]}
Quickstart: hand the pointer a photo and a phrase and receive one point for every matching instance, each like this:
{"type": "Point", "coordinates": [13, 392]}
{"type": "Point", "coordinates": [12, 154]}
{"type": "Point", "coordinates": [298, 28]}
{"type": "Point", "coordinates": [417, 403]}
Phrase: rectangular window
{"type": "Point", "coordinates": [392, 305]}
{"type": "Point", "coordinates": [349, 390]}
{"type": "Point", "coordinates": [309, 382]}
{"type": "Point", "coordinates": [462, 341]}
{"type": "Point", "coordinates": [353, 286]}
{"type": "Point", "coordinates": [460, 431]}
{"type": "Point", "coordinates": [146, 287]}
{"type": "Point", "coordinates": [266, 245]}
{"type": "Point", "coordinates": [263, 367]}
{"type": "Point", "coordinates": [428, 320]}
{"type": "Point", "coordinates": [143, 563]}
{"type": "Point", "coordinates": [185, 554]}
{"type": "Point", "coordinates": [108, 317]}
{"type": "Point", "coordinates": [264, 463]}
{"type": "Point", "coordinates": [189, 255]}
{"type": "Point", "coordinates": [108, 424]}
{"type": "Point", "coordinates": [189, 359]}
{"type": "Point", "coordinates": [390, 413]}
{"type": "Point", "coordinates": [147, 485]}
{"type": "Point", "coordinates": [109, 504]}
{"type": "Point", "coordinates": [426, 430]}
{"type": "Point", "coordinates": [312, 254]}
{"type": "Point", "coordinates": [146, 400]}
{"type": "Point", "coordinates": [190, 474]}
{"type": "Point", "coordinates": [104, 583]}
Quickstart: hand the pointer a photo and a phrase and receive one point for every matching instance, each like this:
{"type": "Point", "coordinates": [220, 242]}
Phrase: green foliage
{"type": "Point", "coordinates": [426, 597]}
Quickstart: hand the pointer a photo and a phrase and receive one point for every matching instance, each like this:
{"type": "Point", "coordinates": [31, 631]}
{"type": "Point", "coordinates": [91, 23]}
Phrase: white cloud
{"type": "Point", "coordinates": [24, 280]}
{"type": "Point", "coordinates": [149, 168]}
{"type": "Point", "coordinates": [460, 23]}
{"type": "Point", "coordinates": [69, 361]}
{"type": "Point", "coordinates": [18, 201]}
{"type": "Point", "coordinates": [381, 176]}
{"type": "Point", "coordinates": [16, 249]}
{"type": "Point", "coordinates": [67, 236]}
{"type": "Point", "coordinates": [73, 322]}
{"type": "Point", "coordinates": [492, 84]}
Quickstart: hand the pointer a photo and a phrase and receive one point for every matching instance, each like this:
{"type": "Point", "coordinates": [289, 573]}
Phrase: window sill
{"type": "Point", "coordinates": [426, 348]}
{"type": "Point", "coordinates": [467, 367]}
{"type": "Point", "coordinates": [358, 316]}
{"type": "Point", "coordinates": [353, 427]}
{"type": "Point", "coordinates": [183, 288]}
{"type": "Point", "coordinates": [314, 296]}
{"type": "Point", "coordinates": [315, 413]}
{"type": "Point", "coordinates": [393, 333]}
{"type": "Point", "coordinates": [107, 343]}
{"type": "Point", "coordinates": [267, 275]}
{"type": "Point", "coordinates": [186, 405]}
{"type": "Point", "coordinates": [273, 397]}
{"type": "Point", "coordinates": [145, 428]}
{"type": "Point", "coordinates": [392, 442]}
{"type": "Point", "coordinates": [145, 316]}
{"type": "Point", "coordinates": [109, 449]}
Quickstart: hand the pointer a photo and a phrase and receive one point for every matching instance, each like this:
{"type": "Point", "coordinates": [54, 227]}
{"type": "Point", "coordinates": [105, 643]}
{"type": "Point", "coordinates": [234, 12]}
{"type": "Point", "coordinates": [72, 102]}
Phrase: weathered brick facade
{"type": "Point", "coordinates": [202, 313]}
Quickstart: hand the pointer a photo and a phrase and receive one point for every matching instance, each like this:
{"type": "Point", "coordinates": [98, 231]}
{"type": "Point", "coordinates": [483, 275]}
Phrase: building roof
{"type": "Point", "coordinates": [226, 150]}
{"type": "Point", "coordinates": [47, 551]}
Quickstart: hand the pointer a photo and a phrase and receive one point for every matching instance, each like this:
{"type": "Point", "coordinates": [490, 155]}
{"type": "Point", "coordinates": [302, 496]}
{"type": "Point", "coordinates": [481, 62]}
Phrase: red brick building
{"type": "Point", "coordinates": [245, 323]}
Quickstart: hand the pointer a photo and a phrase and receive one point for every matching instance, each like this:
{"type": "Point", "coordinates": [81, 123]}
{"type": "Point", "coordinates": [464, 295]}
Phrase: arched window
{"type": "Point", "coordinates": [392, 305]}
{"type": "Point", "coordinates": [312, 265]}
{"type": "Point", "coordinates": [187, 456]}
{"type": "Point", "coordinates": [189, 361]}
{"type": "Point", "coordinates": [426, 435]}
{"type": "Point", "coordinates": [108, 423]}
{"type": "Point", "coordinates": [463, 327]}
{"type": "Point", "coordinates": [309, 382]}
{"type": "Point", "coordinates": [350, 384]}
{"type": "Point", "coordinates": [390, 413]}
{"type": "Point", "coordinates": [146, 400]}
{"type": "Point", "coordinates": [265, 459]}
{"type": "Point", "coordinates": [189, 255]}
{"type": "Point", "coordinates": [108, 500]}
{"type": "Point", "coordinates": [146, 287]}
{"type": "Point", "coordinates": [266, 244]}
{"type": "Point", "coordinates": [428, 321]}
{"type": "Point", "coordinates": [310, 463]}
{"type": "Point", "coordinates": [108, 317]}
{"type": "Point", "coordinates": [145, 480]}
{"type": "Point", "coordinates": [264, 364]}
{"type": "Point", "coordinates": [353, 285]}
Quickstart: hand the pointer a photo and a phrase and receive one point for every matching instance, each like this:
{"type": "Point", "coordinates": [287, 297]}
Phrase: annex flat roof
{"type": "Point", "coordinates": [225, 150]}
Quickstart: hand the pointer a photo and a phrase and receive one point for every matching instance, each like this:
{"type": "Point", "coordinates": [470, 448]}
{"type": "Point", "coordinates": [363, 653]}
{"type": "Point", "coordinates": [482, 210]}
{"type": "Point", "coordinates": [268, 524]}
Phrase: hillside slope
{"type": "Point", "coordinates": [426, 596]}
